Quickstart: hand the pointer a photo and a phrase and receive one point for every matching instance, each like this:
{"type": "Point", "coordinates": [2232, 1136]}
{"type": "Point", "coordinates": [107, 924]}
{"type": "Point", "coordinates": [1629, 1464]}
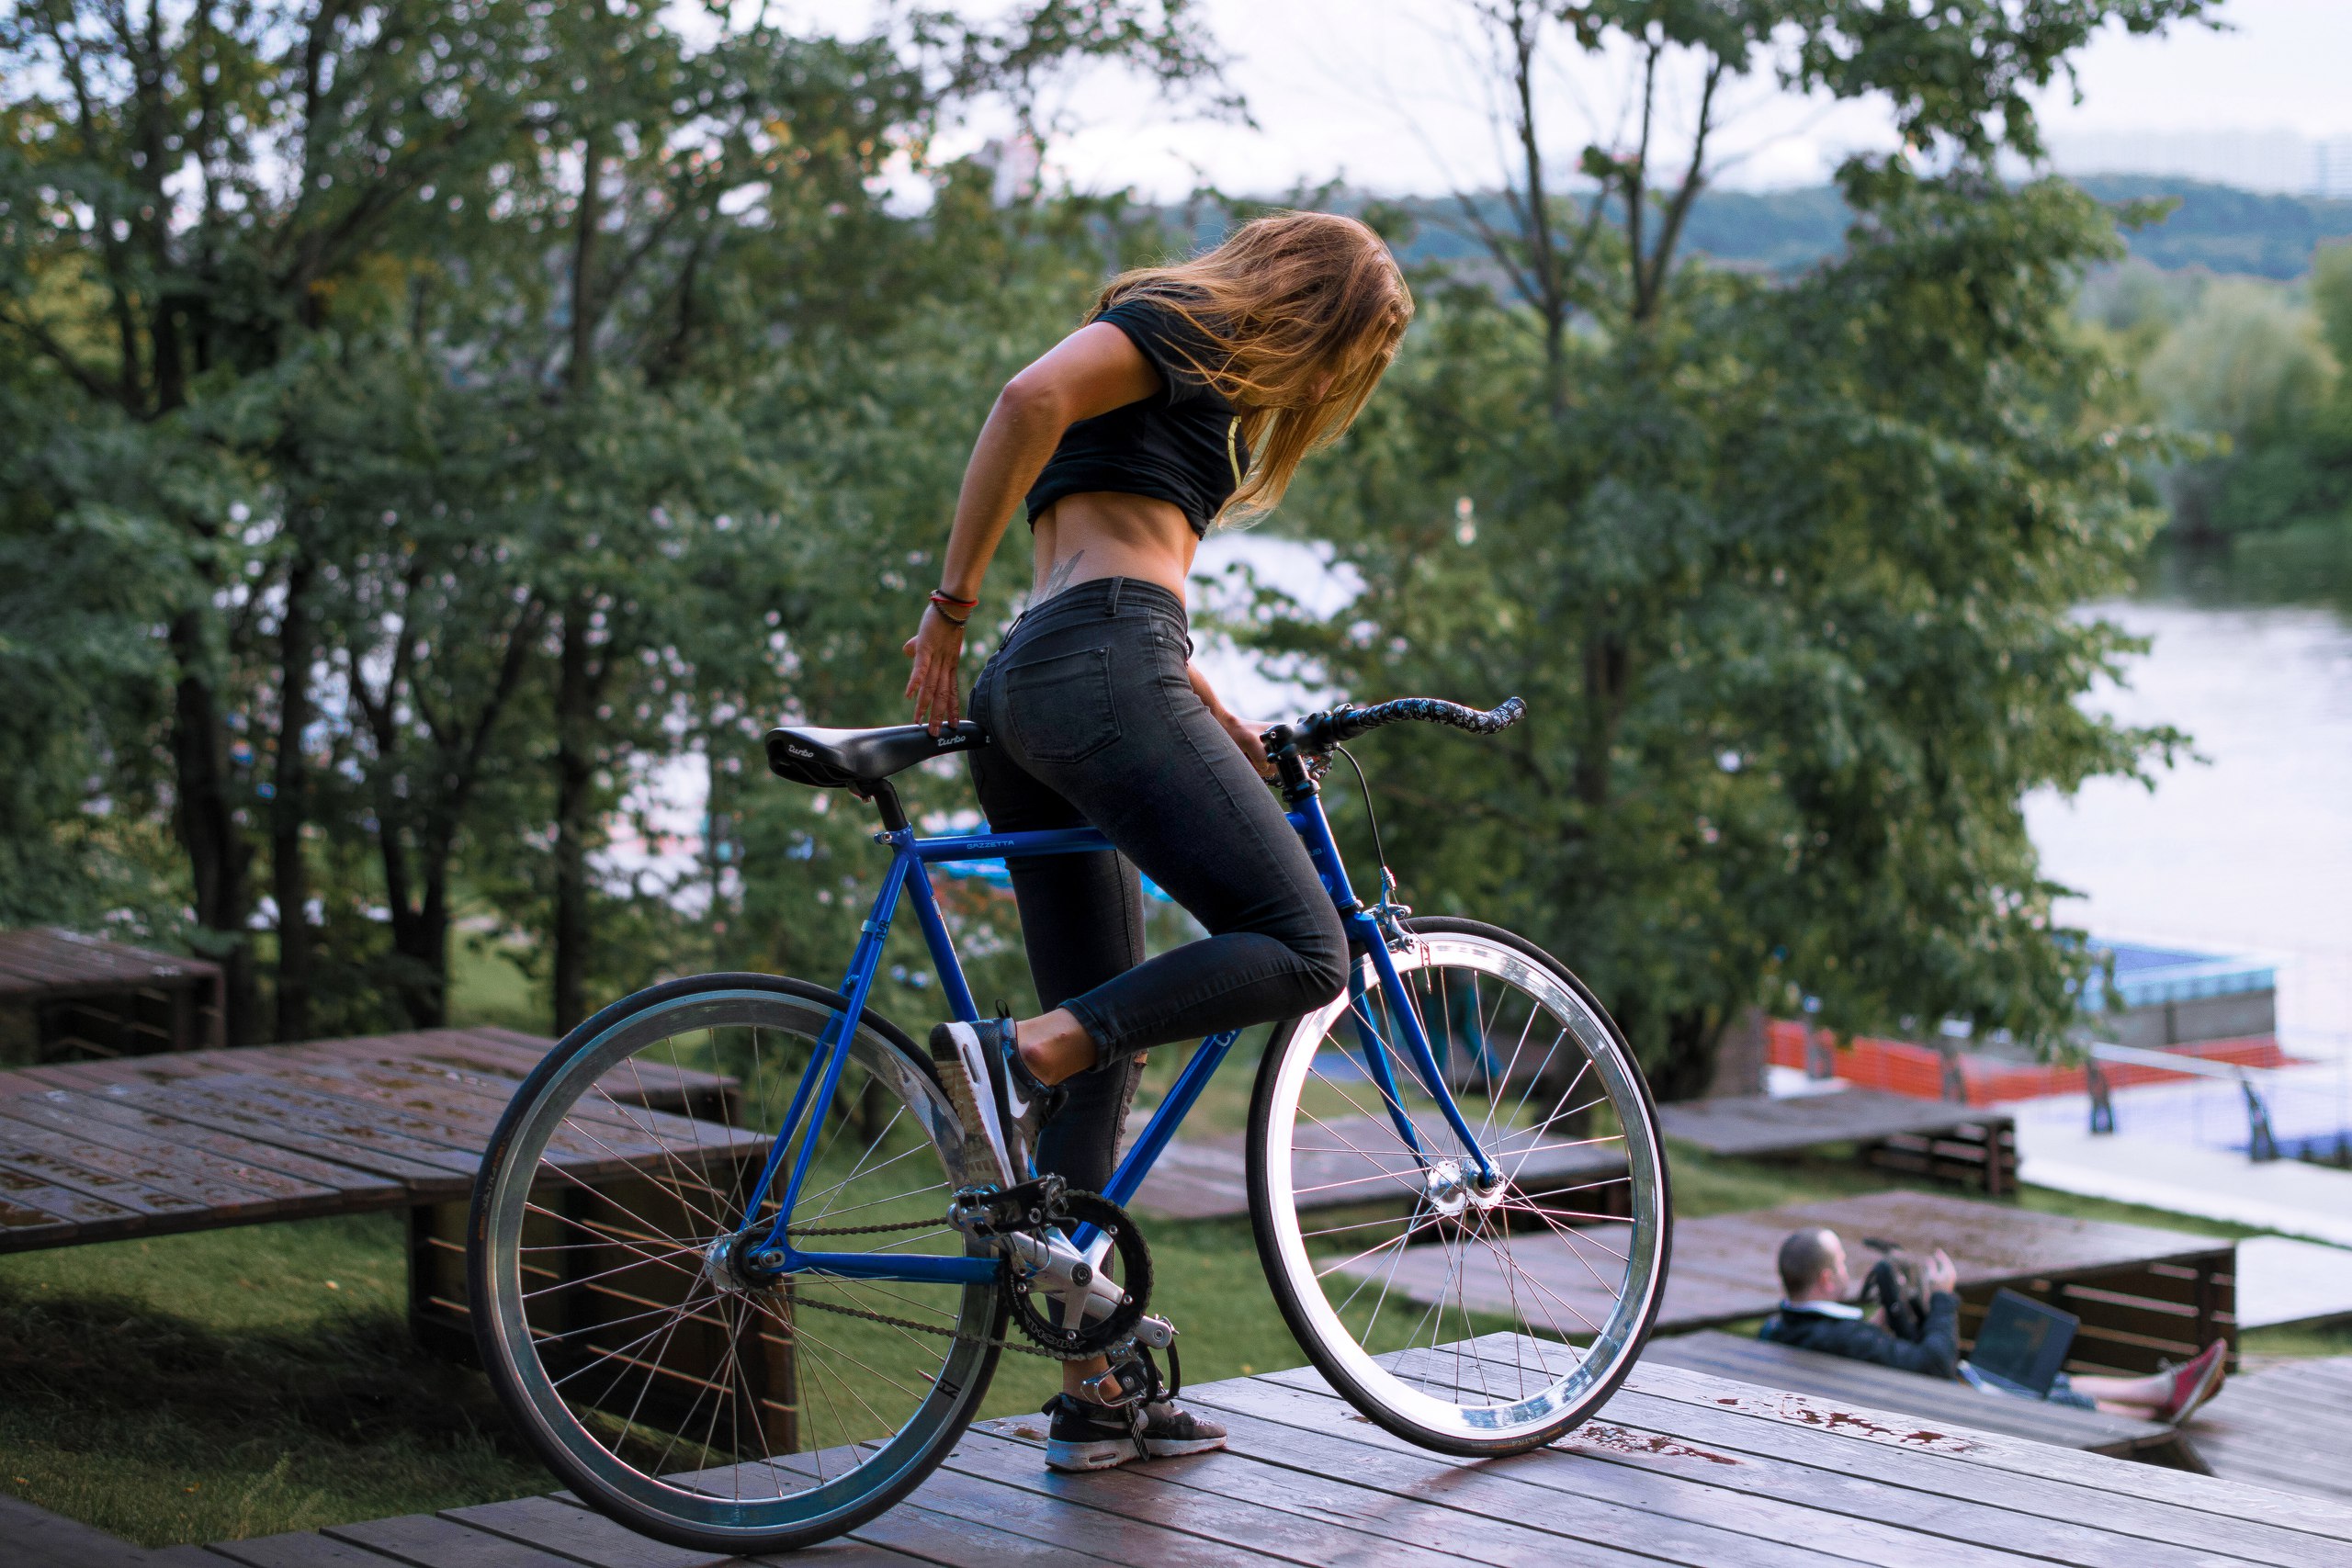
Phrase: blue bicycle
{"type": "Point", "coordinates": [738, 1276]}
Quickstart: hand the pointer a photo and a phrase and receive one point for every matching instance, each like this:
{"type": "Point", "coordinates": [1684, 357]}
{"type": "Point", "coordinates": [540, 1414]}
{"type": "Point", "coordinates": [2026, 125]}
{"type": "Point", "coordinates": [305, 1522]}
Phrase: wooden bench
{"type": "Point", "coordinates": [1846, 1381]}
{"type": "Point", "coordinates": [1681, 1468]}
{"type": "Point", "coordinates": [2145, 1295]}
{"type": "Point", "coordinates": [2287, 1424]}
{"type": "Point", "coordinates": [152, 1145]}
{"type": "Point", "coordinates": [1931, 1140]}
{"type": "Point", "coordinates": [64, 996]}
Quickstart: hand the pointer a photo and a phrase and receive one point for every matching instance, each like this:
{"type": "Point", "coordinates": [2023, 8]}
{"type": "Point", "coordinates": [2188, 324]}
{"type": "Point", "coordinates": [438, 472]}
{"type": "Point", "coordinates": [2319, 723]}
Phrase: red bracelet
{"type": "Point", "coordinates": [941, 596]}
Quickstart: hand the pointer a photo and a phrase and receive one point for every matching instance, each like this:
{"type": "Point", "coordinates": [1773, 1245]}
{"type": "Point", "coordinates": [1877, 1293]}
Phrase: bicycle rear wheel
{"type": "Point", "coordinates": [1467, 1318]}
{"type": "Point", "coordinates": [671, 1389]}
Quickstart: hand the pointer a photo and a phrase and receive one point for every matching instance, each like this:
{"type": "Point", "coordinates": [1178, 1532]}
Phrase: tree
{"type": "Point", "coordinates": [424, 335]}
{"type": "Point", "coordinates": [1784, 571]}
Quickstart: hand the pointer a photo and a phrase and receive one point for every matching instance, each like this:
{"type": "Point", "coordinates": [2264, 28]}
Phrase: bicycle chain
{"type": "Point", "coordinates": [886, 1320]}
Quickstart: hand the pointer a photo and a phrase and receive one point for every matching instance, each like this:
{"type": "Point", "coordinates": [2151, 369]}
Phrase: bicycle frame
{"type": "Point", "coordinates": [910, 877]}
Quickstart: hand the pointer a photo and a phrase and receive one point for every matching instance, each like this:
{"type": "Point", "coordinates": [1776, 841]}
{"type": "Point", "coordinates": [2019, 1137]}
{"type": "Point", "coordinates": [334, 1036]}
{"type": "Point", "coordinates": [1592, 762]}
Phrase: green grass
{"type": "Point", "coordinates": [486, 986]}
{"type": "Point", "coordinates": [237, 1382]}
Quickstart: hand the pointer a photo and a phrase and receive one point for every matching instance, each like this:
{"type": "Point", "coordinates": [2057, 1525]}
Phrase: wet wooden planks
{"type": "Point", "coordinates": [1749, 1359]}
{"type": "Point", "coordinates": [2143, 1294]}
{"type": "Point", "coordinates": [95, 1151]}
{"type": "Point", "coordinates": [2287, 1425]}
{"type": "Point", "coordinates": [1684, 1468]}
{"type": "Point", "coordinates": [89, 995]}
{"type": "Point", "coordinates": [1957, 1143]}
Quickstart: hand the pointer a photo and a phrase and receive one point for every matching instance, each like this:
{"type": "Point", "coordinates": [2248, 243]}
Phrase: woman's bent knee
{"type": "Point", "coordinates": [1323, 960]}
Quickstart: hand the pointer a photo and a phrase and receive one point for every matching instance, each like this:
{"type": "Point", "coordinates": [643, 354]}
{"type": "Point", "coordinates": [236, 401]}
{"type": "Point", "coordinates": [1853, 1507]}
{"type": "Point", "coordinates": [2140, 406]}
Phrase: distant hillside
{"type": "Point", "coordinates": [2215, 227]}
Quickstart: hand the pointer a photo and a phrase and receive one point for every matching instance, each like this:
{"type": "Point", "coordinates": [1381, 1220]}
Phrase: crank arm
{"type": "Point", "coordinates": [1064, 1273]}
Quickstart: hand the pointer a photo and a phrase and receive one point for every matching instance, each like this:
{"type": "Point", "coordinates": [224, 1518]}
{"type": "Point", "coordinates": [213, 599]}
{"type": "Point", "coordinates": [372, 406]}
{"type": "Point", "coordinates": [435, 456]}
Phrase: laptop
{"type": "Point", "coordinates": [2022, 1343]}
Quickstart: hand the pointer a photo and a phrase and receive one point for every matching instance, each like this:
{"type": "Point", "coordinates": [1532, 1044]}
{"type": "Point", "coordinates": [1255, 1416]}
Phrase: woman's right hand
{"type": "Point", "coordinates": [937, 646]}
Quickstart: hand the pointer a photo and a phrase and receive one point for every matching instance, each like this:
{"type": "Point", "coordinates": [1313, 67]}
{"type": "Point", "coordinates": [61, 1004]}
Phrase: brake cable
{"type": "Point", "coordinates": [1387, 912]}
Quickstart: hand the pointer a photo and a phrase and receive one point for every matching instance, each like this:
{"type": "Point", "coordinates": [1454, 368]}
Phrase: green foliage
{"type": "Point", "coordinates": [484, 421]}
{"type": "Point", "coordinates": [1785, 574]}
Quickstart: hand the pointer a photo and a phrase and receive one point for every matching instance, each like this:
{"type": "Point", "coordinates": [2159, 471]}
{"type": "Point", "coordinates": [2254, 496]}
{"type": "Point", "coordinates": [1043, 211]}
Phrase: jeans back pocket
{"type": "Point", "coordinates": [1060, 707]}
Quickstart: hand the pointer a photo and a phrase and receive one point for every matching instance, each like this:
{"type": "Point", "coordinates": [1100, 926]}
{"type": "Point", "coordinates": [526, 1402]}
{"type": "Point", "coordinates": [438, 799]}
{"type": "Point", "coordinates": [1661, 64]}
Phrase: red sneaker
{"type": "Point", "coordinates": [2194, 1383]}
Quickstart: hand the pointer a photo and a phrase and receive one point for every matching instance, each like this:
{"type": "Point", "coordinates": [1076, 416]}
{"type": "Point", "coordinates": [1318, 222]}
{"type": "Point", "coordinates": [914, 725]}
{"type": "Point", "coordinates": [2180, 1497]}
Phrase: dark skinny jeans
{"type": "Point", "coordinates": [1092, 719]}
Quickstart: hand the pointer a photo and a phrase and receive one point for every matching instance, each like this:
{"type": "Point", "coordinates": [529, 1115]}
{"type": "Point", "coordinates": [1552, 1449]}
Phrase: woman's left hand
{"type": "Point", "coordinates": [1251, 737]}
{"type": "Point", "coordinates": [936, 648]}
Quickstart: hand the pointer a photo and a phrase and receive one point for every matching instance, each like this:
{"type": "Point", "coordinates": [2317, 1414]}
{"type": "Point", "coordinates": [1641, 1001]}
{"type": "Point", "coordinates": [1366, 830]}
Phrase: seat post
{"type": "Point", "coordinates": [886, 800]}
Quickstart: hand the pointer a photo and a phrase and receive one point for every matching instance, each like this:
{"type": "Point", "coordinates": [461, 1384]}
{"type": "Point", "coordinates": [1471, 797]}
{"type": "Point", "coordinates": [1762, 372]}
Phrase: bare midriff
{"type": "Point", "coordinates": [1109, 534]}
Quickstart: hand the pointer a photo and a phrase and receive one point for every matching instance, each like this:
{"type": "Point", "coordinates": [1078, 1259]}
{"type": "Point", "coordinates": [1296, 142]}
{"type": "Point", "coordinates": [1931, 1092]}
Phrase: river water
{"type": "Point", "coordinates": [2247, 847]}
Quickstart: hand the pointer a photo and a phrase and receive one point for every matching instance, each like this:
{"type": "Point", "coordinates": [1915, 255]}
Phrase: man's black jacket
{"type": "Point", "coordinates": [1936, 1352]}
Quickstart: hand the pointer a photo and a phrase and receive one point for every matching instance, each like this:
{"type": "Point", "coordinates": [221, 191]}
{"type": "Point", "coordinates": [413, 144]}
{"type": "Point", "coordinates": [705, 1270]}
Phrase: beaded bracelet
{"type": "Point", "coordinates": [941, 599]}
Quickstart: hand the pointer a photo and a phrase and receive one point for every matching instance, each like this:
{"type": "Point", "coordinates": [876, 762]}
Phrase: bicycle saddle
{"type": "Point", "coordinates": [860, 759]}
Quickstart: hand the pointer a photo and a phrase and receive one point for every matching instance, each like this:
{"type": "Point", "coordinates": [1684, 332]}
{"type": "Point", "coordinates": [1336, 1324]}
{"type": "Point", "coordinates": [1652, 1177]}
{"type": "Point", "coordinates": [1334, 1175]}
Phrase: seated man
{"type": "Point", "coordinates": [1818, 1314]}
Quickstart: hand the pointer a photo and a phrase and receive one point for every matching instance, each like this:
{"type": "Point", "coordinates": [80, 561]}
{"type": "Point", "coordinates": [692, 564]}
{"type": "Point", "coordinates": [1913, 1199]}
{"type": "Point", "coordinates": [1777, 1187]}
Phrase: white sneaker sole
{"type": "Point", "coordinates": [1076, 1459]}
{"type": "Point", "coordinates": [970, 1091]}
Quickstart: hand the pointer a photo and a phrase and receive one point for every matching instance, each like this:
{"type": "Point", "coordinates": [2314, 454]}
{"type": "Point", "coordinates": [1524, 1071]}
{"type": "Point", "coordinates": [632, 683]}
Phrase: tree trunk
{"type": "Point", "coordinates": [208, 828]}
{"type": "Point", "coordinates": [576, 691]}
{"type": "Point", "coordinates": [290, 809]}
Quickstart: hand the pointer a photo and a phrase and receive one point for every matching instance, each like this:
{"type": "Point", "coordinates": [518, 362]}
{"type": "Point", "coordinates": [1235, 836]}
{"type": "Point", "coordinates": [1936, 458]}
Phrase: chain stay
{"type": "Point", "coordinates": [1042, 1352]}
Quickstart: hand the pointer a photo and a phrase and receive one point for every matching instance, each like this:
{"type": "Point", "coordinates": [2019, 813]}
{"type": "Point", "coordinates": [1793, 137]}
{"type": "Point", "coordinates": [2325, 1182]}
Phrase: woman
{"type": "Point", "coordinates": [1191, 395]}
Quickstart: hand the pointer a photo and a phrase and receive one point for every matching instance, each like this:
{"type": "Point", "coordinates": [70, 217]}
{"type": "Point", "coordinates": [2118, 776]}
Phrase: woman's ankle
{"type": "Point", "coordinates": [1054, 1047]}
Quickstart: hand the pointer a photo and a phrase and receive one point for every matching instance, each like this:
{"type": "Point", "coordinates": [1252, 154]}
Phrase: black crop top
{"type": "Point", "coordinates": [1184, 445]}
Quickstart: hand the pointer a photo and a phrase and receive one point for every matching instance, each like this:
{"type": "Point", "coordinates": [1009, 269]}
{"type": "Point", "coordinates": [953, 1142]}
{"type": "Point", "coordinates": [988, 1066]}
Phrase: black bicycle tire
{"type": "Point", "coordinates": [584, 1483]}
{"type": "Point", "coordinates": [1278, 1277]}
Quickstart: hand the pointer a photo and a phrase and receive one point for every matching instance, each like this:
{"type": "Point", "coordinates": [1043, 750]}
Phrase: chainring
{"type": "Point", "coordinates": [1076, 1342]}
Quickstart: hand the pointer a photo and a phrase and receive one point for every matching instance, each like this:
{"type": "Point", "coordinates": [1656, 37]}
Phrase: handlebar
{"type": "Point", "coordinates": [1317, 733]}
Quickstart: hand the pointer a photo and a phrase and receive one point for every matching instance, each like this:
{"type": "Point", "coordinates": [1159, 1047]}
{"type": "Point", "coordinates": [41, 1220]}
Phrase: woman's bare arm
{"type": "Point", "coordinates": [1093, 371]}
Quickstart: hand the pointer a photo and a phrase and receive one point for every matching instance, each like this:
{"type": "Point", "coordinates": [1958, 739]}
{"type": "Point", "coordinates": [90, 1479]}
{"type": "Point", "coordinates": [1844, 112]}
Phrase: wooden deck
{"type": "Point", "coordinates": [1207, 1177]}
{"type": "Point", "coordinates": [1932, 1139]}
{"type": "Point", "coordinates": [81, 996]}
{"type": "Point", "coordinates": [1841, 1379]}
{"type": "Point", "coordinates": [2287, 1425]}
{"type": "Point", "coordinates": [2142, 1295]}
{"type": "Point", "coordinates": [96, 1151]}
{"type": "Point", "coordinates": [1685, 1467]}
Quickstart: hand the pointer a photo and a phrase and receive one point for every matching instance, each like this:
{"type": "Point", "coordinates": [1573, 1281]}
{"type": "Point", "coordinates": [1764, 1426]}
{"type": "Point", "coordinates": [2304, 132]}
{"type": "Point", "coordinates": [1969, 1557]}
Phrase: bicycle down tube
{"type": "Point", "coordinates": [909, 877]}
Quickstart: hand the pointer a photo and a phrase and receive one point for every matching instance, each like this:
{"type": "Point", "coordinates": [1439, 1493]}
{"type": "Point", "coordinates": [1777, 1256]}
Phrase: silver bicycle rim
{"type": "Point", "coordinates": [849, 1447]}
{"type": "Point", "coordinates": [1496, 1271]}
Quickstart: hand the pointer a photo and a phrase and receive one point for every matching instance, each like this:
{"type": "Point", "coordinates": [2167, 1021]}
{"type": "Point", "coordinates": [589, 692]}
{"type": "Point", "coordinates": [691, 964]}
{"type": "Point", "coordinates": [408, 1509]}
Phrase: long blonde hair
{"type": "Point", "coordinates": [1300, 313]}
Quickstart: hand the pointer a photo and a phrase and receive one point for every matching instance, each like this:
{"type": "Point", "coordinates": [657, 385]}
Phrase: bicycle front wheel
{"type": "Point", "coordinates": [670, 1386]}
{"type": "Point", "coordinates": [1467, 1316]}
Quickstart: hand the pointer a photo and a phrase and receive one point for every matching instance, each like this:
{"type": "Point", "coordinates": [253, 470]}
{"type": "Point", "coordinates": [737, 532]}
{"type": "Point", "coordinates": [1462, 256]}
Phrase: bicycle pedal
{"type": "Point", "coordinates": [988, 1212]}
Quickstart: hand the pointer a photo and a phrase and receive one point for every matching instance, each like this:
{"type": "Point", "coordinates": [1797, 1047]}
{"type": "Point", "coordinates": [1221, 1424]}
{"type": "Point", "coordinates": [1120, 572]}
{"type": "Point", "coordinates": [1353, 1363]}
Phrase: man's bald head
{"type": "Point", "coordinates": [1805, 1255]}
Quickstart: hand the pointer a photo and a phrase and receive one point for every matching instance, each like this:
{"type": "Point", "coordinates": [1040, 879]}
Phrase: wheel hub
{"type": "Point", "coordinates": [737, 1264]}
{"type": "Point", "coordinates": [1443, 1187]}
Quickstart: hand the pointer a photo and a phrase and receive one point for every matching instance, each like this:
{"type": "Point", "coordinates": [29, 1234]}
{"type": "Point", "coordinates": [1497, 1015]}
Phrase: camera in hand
{"type": "Point", "coordinates": [1897, 1285]}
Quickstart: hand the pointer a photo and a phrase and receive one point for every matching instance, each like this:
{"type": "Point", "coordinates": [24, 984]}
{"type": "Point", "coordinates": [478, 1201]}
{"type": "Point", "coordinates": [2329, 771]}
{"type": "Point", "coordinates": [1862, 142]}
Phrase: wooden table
{"type": "Point", "coordinates": [2143, 1294]}
{"type": "Point", "coordinates": [1682, 1468]}
{"type": "Point", "coordinates": [82, 996]}
{"type": "Point", "coordinates": [1846, 1381]}
{"type": "Point", "coordinates": [2287, 1425]}
{"type": "Point", "coordinates": [1933, 1139]}
{"type": "Point", "coordinates": [96, 1151]}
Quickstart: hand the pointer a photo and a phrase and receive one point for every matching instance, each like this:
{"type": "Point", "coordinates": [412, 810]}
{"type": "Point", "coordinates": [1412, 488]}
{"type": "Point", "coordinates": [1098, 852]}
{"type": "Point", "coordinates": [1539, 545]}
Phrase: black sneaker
{"type": "Point", "coordinates": [1000, 1102]}
{"type": "Point", "coordinates": [1086, 1435]}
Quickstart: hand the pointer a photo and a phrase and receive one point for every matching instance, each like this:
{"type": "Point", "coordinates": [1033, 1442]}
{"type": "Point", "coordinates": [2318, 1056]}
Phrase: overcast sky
{"type": "Point", "coordinates": [1387, 93]}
